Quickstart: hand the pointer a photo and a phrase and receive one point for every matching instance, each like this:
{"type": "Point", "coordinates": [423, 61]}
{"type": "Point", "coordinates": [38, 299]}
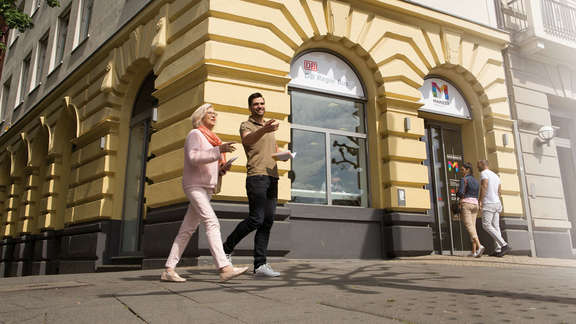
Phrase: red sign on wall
{"type": "Point", "coordinates": [310, 65]}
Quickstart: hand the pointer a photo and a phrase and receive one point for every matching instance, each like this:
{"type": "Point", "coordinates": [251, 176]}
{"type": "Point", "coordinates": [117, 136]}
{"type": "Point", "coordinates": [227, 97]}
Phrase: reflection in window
{"type": "Point", "coordinates": [318, 121]}
{"type": "Point", "coordinates": [309, 182]}
{"type": "Point", "coordinates": [327, 112]}
{"type": "Point", "coordinates": [348, 167]}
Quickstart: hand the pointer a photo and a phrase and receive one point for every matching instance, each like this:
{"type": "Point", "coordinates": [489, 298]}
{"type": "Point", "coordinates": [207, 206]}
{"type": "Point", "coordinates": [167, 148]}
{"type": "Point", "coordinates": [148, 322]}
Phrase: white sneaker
{"type": "Point", "coordinates": [265, 271]}
{"type": "Point", "coordinates": [479, 252]}
{"type": "Point", "coordinates": [229, 258]}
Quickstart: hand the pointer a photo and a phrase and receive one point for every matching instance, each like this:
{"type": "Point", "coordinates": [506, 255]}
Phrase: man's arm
{"type": "Point", "coordinates": [483, 188]}
{"type": "Point", "coordinates": [251, 137]}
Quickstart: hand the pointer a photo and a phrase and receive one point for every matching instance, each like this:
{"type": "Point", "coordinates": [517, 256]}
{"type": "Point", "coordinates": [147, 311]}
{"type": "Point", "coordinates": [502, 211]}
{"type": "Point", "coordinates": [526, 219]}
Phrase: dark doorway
{"type": "Point", "coordinates": [445, 158]}
{"type": "Point", "coordinates": [135, 180]}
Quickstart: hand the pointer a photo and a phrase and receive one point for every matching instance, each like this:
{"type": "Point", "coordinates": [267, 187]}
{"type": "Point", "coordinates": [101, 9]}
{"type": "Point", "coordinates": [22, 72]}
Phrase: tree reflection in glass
{"type": "Point", "coordinates": [348, 168]}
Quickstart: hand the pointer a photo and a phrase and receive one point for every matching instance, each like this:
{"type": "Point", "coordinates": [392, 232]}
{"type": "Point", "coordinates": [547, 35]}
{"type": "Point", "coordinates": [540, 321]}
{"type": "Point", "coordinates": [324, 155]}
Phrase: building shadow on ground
{"type": "Point", "coordinates": [362, 280]}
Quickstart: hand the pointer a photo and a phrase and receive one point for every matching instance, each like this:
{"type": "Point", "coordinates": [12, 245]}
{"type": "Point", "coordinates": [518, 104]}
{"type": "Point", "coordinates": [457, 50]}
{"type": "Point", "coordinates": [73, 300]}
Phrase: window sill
{"type": "Point", "coordinates": [35, 88]}
{"type": "Point", "coordinates": [56, 68]}
{"type": "Point", "coordinates": [82, 42]}
{"type": "Point", "coordinates": [18, 106]}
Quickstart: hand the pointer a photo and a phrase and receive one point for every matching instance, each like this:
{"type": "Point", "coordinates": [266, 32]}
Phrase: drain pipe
{"type": "Point", "coordinates": [518, 151]}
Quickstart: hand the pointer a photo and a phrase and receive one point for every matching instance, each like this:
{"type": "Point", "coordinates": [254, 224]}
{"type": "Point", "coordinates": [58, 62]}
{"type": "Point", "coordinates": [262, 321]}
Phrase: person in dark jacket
{"type": "Point", "coordinates": [468, 193]}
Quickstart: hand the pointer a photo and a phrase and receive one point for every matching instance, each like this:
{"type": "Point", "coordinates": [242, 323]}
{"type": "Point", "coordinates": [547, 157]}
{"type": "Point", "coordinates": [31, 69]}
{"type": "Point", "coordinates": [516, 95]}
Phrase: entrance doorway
{"type": "Point", "coordinates": [445, 158]}
{"type": "Point", "coordinates": [136, 167]}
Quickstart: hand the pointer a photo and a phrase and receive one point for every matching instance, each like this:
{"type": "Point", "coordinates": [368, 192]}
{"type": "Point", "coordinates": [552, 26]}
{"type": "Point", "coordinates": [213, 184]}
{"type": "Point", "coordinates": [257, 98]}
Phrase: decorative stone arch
{"type": "Point", "coordinates": [364, 66]}
{"type": "Point", "coordinates": [127, 67]}
{"type": "Point", "coordinates": [65, 128]}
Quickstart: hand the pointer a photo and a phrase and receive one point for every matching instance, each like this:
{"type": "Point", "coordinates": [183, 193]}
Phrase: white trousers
{"type": "Point", "coordinates": [491, 223]}
{"type": "Point", "coordinates": [199, 210]}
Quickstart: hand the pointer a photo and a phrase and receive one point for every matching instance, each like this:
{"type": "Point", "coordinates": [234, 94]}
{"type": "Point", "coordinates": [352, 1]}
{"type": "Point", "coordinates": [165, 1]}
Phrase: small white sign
{"type": "Point", "coordinates": [325, 72]}
{"type": "Point", "coordinates": [441, 97]}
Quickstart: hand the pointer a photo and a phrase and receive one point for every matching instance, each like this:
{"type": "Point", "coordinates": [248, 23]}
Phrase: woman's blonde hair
{"type": "Point", "coordinates": [198, 114]}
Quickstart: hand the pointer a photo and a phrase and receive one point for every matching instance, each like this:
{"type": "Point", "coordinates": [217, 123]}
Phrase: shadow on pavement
{"type": "Point", "coordinates": [361, 280]}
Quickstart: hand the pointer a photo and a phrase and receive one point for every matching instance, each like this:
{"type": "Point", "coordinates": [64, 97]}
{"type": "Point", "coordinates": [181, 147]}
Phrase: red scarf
{"type": "Point", "coordinates": [213, 139]}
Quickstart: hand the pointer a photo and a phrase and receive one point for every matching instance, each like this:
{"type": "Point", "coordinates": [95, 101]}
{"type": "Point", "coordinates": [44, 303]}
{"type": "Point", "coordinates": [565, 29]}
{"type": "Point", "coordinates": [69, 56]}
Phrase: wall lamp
{"type": "Point", "coordinates": [546, 134]}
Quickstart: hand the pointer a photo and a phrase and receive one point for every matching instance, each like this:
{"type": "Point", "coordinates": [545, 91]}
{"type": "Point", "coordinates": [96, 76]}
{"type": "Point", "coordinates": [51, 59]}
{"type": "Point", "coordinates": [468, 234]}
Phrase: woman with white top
{"type": "Point", "coordinates": [204, 161]}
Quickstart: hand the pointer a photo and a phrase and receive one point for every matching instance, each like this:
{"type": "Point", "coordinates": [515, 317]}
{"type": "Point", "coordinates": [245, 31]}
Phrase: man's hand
{"type": "Point", "coordinates": [270, 126]}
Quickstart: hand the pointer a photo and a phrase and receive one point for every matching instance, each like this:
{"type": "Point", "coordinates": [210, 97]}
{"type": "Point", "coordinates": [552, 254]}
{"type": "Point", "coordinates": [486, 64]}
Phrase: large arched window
{"type": "Point", "coordinates": [328, 132]}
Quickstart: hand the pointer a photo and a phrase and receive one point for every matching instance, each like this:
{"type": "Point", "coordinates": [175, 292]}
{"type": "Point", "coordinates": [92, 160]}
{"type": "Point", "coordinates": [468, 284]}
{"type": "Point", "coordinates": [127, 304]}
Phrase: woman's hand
{"type": "Point", "coordinates": [227, 147]}
{"type": "Point", "coordinates": [224, 168]}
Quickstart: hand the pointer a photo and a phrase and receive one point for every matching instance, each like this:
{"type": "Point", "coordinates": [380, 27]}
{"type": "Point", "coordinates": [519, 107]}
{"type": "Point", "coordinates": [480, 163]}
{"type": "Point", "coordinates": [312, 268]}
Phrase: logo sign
{"type": "Point", "coordinates": [441, 97]}
{"type": "Point", "coordinates": [310, 65]}
{"type": "Point", "coordinates": [453, 165]}
{"type": "Point", "coordinates": [437, 92]}
{"type": "Point", "coordinates": [325, 72]}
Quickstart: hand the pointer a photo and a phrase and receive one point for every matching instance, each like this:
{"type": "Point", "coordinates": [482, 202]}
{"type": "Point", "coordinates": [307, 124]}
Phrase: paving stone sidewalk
{"type": "Point", "coordinates": [431, 289]}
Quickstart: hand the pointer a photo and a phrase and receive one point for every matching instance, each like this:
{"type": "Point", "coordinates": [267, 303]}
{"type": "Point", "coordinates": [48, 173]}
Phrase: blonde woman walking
{"type": "Point", "coordinates": [204, 160]}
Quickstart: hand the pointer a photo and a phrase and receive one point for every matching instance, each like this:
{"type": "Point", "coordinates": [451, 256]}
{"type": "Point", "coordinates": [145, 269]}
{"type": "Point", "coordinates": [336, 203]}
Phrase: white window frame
{"type": "Point", "coordinates": [34, 6]}
{"type": "Point", "coordinates": [24, 81]}
{"type": "Point", "coordinates": [13, 35]}
{"type": "Point", "coordinates": [5, 97]}
{"type": "Point", "coordinates": [328, 133]}
{"type": "Point", "coordinates": [38, 69]}
{"type": "Point", "coordinates": [53, 57]}
{"type": "Point", "coordinates": [80, 18]}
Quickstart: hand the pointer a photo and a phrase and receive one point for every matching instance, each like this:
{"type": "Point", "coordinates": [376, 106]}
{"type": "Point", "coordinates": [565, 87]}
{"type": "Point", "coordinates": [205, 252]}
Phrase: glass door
{"type": "Point", "coordinates": [445, 156]}
{"type": "Point", "coordinates": [134, 188]}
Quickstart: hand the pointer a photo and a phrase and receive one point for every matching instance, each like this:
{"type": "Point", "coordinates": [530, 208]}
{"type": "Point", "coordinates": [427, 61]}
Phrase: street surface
{"type": "Point", "coordinates": [430, 289]}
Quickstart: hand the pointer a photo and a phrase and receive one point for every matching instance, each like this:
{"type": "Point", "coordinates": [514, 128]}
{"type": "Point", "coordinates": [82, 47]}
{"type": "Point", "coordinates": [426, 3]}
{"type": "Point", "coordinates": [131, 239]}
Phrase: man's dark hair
{"type": "Point", "coordinates": [468, 166]}
{"type": "Point", "coordinates": [254, 96]}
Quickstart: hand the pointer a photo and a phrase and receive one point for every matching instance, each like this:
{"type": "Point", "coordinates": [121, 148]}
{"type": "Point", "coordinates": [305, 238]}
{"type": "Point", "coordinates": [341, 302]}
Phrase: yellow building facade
{"type": "Point", "coordinates": [75, 172]}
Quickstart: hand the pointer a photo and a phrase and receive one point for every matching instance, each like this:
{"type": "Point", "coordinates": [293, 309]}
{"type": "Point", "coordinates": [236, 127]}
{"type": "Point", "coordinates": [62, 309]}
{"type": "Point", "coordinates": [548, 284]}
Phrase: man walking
{"type": "Point", "coordinates": [491, 206]}
{"type": "Point", "coordinates": [261, 184]}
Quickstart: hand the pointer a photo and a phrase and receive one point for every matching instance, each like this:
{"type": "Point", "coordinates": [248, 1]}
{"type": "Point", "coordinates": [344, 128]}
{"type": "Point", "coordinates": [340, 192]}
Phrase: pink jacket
{"type": "Point", "coordinates": [200, 162]}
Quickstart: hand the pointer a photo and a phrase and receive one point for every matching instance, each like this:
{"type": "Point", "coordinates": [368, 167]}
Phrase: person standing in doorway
{"type": "Point", "coordinates": [204, 160]}
{"type": "Point", "coordinates": [468, 194]}
{"type": "Point", "coordinates": [261, 184]}
{"type": "Point", "coordinates": [491, 206]}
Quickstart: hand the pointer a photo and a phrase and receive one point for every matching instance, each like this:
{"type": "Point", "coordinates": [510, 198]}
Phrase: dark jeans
{"type": "Point", "coordinates": [262, 198]}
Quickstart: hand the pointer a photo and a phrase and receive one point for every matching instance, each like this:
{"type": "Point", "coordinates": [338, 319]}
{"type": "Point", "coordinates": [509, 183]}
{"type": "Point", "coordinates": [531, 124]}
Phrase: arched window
{"type": "Point", "coordinates": [328, 132]}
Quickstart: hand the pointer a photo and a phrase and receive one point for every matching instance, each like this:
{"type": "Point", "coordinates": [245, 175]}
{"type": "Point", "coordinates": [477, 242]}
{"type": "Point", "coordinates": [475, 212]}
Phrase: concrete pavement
{"type": "Point", "coordinates": [431, 289]}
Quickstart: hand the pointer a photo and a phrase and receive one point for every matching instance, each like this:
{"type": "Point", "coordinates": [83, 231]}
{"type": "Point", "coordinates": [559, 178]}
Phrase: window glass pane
{"type": "Point", "coordinates": [133, 188]}
{"type": "Point", "coordinates": [41, 58]}
{"type": "Point", "coordinates": [62, 34]}
{"type": "Point", "coordinates": [24, 80]}
{"type": "Point", "coordinates": [327, 112]}
{"type": "Point", "coordinates": [86, 17]}
{"type": "Point", "coordinates": [348, 167]}
{"type": "Point", "coordinates": [309, 167]}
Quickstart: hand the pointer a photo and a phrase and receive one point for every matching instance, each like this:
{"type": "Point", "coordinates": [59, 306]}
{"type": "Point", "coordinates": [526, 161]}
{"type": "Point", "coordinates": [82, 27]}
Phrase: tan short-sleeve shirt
{"type": "Point", "coordinates": [259, 154]}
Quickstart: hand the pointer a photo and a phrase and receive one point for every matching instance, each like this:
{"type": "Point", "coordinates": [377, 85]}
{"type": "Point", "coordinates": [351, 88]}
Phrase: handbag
{"type": "Point", "coordinates": [455, 207]}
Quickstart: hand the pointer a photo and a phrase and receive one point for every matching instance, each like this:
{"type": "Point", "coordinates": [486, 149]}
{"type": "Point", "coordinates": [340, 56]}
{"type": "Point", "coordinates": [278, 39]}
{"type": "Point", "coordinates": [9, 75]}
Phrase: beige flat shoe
{"type": "Point", "coordinates": [171, 276]}
{"type": "Point", "coordinates": [235, 272]}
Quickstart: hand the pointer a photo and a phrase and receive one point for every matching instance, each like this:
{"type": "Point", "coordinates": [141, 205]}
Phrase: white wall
{"type": "Point", "coordinates": [481, 11]}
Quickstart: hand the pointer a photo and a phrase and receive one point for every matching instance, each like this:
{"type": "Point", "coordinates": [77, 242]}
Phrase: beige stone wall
{"type": "Point", "coordinates": [219, 52]}
{"type": "Point", "coordinates": [534, 83]}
